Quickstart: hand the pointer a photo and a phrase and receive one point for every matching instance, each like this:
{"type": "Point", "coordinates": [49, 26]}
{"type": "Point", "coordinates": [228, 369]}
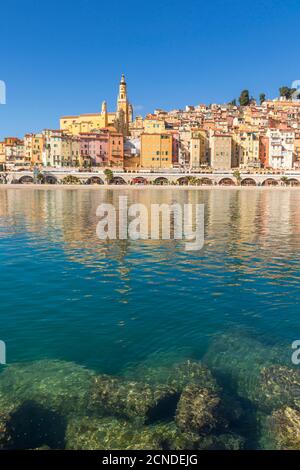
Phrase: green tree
{"type": "Point", "coordinates": [286, 92]}
{"type": "Point", "coordinates": [108, 175]}
{"type": "Point", "coordinates": [237, 176]}
{"type": "Point", "coordinates": [244, 98]}
{"type": "Point", "coordinates": [284, 180]}
{"type": "Point", "coordinates": [71, 179]}
{"type": "Point", "coordinates": [262, 98]}
{"type": "Point", "coordinates": [40, 178]}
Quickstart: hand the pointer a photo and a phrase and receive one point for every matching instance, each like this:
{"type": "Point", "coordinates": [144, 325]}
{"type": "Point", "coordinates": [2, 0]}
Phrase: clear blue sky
{"type": "Point", "coordinates": [65, 57]}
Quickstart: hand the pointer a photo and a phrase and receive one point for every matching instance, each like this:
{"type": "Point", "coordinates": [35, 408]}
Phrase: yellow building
{"type": "Point", "coordinates": [246, 149]}
{"type": "Point", "coordinates": [34, 144]}
{"type": "Point", "coordinates": [297, 150]}
{"type": "Point", "coordinates": [118, 120]}
{"type": "Point", "coordinates": [2, 152]}
{"type": "Point", "coordinates": [156, 150]}
{"type": "Point", "coordinates": [154, 125]}
{"type": "Point", "coordinates": [136, 127]}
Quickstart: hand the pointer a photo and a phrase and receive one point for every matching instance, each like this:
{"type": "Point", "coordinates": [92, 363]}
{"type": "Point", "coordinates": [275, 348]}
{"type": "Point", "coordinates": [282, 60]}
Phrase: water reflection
{"type": "Point", "coordinates": [64, 286]}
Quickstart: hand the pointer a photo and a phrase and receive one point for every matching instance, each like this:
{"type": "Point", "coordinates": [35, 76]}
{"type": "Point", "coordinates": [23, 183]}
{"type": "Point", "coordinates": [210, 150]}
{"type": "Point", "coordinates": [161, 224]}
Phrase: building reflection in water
{"type": "Point", "coordinates": [243, 228]}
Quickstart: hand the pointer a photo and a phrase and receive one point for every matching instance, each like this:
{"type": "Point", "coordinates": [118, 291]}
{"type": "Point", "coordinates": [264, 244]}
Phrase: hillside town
{"type": "Point", "coordinates": [247, 137]}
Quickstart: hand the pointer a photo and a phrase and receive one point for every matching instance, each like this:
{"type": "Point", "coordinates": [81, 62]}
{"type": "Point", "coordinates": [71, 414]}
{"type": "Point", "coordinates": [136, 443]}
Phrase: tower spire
{"type": "Point", "coordinates": [123, 107]}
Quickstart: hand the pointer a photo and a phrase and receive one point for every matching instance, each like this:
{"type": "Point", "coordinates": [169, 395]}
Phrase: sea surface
{"type": "Point", "coordinates": [112, 306]}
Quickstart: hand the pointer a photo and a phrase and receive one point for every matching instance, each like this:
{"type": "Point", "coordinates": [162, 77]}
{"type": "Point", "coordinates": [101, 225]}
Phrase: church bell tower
{"type": "Point", "coordinates": [123, 106]}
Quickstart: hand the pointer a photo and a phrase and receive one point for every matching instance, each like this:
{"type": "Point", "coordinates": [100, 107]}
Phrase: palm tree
{"type": "Point", "coordinates": [191, 180]}
{"type": "Point", "coordinates": [109, 176]}
{"type": "Point", "coordinates": [237, 176]}
{"type": "Point", "coordinates": [40, 178]}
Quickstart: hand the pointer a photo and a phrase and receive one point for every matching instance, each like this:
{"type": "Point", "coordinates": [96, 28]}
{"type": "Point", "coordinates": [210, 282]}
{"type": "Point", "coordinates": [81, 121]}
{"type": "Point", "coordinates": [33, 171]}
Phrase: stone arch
{"type": "Point", "coordinates": [118, 180]}
{"type": "Point", "coordinates": [50, 179]}
{"type": "Point", "coordinates": [183, 181]}
{"type": "Point", "coordinates": [139, 180]}
{"type": "Point", "coordinates": [226, 182]}
{"type": "Point", "coordinates": [94, 180]}
{"type": "Point", "coordinates": [293, 182]}
{"type": "Point", "coordinates": [270, 182]}
{"type": "Point", "coordinates": [26, 179]}
{"type": "Point", "coordinates": [248, 182]}
{"type": "Point", "coordinates": [161, 180]}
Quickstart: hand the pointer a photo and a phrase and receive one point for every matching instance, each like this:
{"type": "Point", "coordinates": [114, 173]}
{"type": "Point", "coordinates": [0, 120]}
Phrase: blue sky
{"type": "Point", "coordinates": [65, 57]}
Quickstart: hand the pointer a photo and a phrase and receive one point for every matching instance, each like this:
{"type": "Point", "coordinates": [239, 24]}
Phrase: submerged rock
{"type": "Point", "coordinates": [60, 386]}
{"type": "Point", "coordinates": [197, 410]}
{"type": "Point", "coordinates": [171, 437]}
{"type": "Point", "coordinates": [30, 425]}
{"type": "Point", "coordinates": [111, 433]}
{"type": "Point", "coordinates": [133, 400]}
{"type": "Point", "coordinates": [276, 386]}
{"type": "Point", "coordinates": [6, 438]}
{"type": "Point", "coordinates": [227, 441]}
{"type": "Point", "coordinates": [256, 372]}
{"type": "Point", "coordinates": [281, 430]}
{"type": "Point", "coordinates": [87, 433]}
{"type": "Point", "coordinates": [176, 376]}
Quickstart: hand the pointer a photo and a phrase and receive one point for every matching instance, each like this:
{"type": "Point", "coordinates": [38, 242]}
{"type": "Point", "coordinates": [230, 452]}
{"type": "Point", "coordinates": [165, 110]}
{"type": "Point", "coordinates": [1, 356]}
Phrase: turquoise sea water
{"type": "Point", "coordinates": [112, 306]}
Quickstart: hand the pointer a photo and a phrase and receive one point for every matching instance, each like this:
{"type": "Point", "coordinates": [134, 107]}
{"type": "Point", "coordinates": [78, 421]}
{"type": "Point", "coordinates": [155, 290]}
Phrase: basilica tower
{"type": "Point", "coordinates": [124, 109]}
{"type": "Point", "coordinates": [104, 113]}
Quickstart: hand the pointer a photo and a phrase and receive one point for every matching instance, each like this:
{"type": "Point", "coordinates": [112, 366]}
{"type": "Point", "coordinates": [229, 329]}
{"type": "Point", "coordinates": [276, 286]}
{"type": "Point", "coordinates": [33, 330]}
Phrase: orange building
{"type": "Point", "coordinates": [116, 149]}
{"type": "Point", "coordinates": [264, 150]}
{"type": "Point", "coordinates": [156, 150]}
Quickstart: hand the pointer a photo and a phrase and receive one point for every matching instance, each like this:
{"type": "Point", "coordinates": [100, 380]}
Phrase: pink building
{"type": "Point", "coordinates": [95, 146]}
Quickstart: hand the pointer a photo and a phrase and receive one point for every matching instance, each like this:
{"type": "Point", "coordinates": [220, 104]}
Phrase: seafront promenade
{"type": "Point", "coordinates": [157, 178]}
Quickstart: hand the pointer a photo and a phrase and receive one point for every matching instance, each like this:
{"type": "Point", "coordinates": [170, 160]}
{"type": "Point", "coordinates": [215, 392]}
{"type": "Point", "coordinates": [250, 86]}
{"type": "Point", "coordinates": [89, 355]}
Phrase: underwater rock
{"type": "Point", "coordinates": [254, 371]}
{"type": "Point", "coordinates": [276, 386]}
{"type": "Point", "coordinates": [235, 355]}
{"type": "Point", "coordinates": [197, 410]}
{"type": "Point", "coordinates": [111, 433]}
{"type": "Point", "coordinates": [281, 430]}
{"type": "Point", "coordinates": [86, 433]}
{"type": "Point", "coordinates": [227, 441]}
{"type": "Point", "coordinates": [59, 386]}
{"type": "Point", "coordinates": [170, 437]}
{"type": "Point", "coordinates": [176, 376]}
{"type": "Point", "coordinates": [6, 438]}
{"type": "Point", "coordinates": [30, 425]}
{"type": "Point", "coordinates": [231, 407]}
{"type": "Point", "coordinates": [133, 400]}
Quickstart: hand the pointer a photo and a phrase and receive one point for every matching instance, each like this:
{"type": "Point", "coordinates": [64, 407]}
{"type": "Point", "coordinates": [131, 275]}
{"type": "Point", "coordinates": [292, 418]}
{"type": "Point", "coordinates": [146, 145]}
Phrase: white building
{"type": "Point", "coordinates": [15, 152]}
{"type": "Point", "coordinates": [60, 150]}
{"type": "Point", "coordinates": [281, 149]}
